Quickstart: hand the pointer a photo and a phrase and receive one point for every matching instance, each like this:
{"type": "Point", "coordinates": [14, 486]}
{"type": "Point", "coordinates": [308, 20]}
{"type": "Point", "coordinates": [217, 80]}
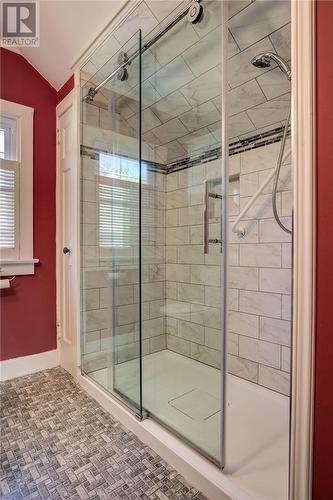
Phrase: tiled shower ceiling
{"type": "Point", "coordinates": [181, 87]}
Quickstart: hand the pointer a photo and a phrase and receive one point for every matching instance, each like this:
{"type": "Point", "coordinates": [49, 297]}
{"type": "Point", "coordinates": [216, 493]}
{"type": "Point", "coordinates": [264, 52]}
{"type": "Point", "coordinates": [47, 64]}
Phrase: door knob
{"type": "Point", "coordinates": [65, 250]}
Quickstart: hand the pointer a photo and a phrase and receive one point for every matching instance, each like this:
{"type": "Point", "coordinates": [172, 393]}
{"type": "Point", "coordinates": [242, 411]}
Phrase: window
{"type": "Point", "coordinates": [9, 181]}
{"type": "Point", "coordinates": [16, 184]}
{"type": "Point", "coordinates": [118, 195]}
{"type": "Point", "coordinates": [118, 213]}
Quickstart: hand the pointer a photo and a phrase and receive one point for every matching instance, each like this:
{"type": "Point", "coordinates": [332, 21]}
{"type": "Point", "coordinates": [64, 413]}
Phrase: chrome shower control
{"type": "Point", "coordinates": [122, 74]}
{"type": "Point", "coordinates": [122, 58]}
{"type": "Point", "coordinates": [194, 14]}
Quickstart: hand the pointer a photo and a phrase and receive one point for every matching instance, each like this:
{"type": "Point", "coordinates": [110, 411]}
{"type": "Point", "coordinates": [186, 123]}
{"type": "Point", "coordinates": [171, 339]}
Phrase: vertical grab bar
{"type": "Point", "coordinates": [206, 219]}
{"type": "Point", "coordinates": [207, 195]}
{"type": "Point", "coordinates": [221, 226]}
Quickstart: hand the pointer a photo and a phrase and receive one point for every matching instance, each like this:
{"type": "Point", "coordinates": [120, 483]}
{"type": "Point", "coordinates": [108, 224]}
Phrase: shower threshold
{"type": "Point", "coordinates": [257, 421]}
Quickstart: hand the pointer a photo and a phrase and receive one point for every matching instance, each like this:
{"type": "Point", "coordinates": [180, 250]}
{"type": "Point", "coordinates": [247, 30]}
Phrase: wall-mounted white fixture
{"type": "Point", "coordinates": [8, 267]}
{"type": "Point", "coordinates": [6, 283]}
{"type": "Point", "coordinates": [240, 230]}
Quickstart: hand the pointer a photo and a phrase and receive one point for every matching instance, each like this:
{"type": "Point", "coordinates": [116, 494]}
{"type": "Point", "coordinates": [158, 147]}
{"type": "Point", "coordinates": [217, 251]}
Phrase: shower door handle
{"type": "Point", "coordinates": [206, 219]}
{"type": "Point", "coordinates": [206, 239]}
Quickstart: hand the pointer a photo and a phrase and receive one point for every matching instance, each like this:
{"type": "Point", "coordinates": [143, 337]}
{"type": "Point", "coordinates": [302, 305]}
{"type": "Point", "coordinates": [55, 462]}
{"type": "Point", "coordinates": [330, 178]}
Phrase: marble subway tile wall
{"type": "Point", "coordinates": [153, 263]}
{"type": "Point", "coordinates": [193, 280]}
{"type": "Point", "coordinates": [259, 302]}
{"type": "Point", "coordinates": [261, 274]}
{"type": "Point", "coordinates": [102, 344]}
{"type": "Point", "coordinates": [181, 112]}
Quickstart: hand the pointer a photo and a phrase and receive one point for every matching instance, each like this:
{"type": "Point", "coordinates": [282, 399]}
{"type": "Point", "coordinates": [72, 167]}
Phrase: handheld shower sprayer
{"type": "Point", "coordinates": [263, 60]}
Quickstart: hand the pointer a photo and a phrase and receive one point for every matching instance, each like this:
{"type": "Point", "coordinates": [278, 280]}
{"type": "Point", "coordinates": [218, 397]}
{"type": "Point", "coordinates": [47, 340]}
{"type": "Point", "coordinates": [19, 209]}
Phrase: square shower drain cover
{"type": "Point", "coordinates": [196, 404]}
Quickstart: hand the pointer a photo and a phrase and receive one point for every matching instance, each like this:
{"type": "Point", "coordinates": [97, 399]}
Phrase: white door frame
{"type": "Point", "coordinates": [71, 100]}
{"type": "Point", "coordinates": [304, 147]}
{"type": "Point", "coordinates": [304, 269]}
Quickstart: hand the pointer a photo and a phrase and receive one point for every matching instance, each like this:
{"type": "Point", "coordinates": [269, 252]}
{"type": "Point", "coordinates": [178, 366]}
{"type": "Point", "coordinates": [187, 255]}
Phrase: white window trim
{"type": "Point", "coordinates": [24, 263]}
{"type": "Point", "coordinates": [11, 137]}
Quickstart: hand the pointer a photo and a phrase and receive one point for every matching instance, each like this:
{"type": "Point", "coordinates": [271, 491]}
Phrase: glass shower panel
{"type": "Point", "coordinates": [181, 231]}
{"type": "Point", "coordinates": [260, 265]}
{"type": "Point", "coordinates": [110, 214]}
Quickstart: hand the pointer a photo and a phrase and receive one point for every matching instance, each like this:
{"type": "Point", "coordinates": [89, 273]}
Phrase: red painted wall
{"type": "Point", "coordinates": [65, 89]}
{"type": "Point", "coordinates": [323, 432]}
{"type": "Point", "coordinates": [28, 309]}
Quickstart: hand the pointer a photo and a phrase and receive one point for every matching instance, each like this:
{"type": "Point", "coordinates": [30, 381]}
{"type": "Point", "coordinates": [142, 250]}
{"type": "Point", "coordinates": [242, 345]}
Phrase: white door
{"type": "Point", "coordinates": [66, 234]}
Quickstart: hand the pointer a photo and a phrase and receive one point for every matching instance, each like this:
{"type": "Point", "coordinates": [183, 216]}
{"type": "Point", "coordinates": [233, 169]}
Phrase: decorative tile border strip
{"type": "Point", "coordinates": [256, 141]}
{"type": "Point", "coordinates": [93, 154]}
{"type": "Point", "coordinates": [237, 147]}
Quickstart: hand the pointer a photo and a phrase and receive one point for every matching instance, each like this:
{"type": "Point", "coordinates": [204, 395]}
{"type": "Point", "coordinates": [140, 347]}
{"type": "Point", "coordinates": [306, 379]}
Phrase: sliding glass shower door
{"type": "Point", "coordinates": [153, 226]}
{"type": "Point", "coordinates": [111, 214]}
{"type": "Point", "coordinates": [182, 225]}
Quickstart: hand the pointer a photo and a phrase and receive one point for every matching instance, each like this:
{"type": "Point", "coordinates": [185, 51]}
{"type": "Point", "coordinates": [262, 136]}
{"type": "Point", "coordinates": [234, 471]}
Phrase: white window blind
{"type": "Point", "coordinates": [9, 209]}
{"type": "Point", "coordinates": [119, 213]}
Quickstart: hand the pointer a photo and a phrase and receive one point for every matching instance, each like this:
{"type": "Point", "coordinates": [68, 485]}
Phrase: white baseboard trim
{"type": "Point", "coordinates": [25, 365]}
{"type": "Point", "coordinates": [198, 471]}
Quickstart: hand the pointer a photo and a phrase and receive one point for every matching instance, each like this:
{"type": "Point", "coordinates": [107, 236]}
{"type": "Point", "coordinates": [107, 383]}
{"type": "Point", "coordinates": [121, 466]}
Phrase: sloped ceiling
{"type": "Point", "coordinates": [181, 73]}
{"type": "Point", "coordinates": [67, 28]}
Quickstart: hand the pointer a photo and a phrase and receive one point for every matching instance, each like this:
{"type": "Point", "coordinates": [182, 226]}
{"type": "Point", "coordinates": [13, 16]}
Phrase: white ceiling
{"type": "Point", "coordinates": [67, 28]}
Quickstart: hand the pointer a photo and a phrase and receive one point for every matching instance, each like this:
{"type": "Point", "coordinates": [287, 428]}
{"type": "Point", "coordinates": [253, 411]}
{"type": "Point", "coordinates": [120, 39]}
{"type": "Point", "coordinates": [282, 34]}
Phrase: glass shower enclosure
{"type": "Point", "coordinates": [185, 271]}
{"type": "Point", "coordinates": [153, 234]}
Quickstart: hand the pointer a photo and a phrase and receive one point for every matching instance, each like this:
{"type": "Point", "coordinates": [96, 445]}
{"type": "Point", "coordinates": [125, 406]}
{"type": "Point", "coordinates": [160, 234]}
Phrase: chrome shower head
{"type": "Point", "coordinates": [263, 60]}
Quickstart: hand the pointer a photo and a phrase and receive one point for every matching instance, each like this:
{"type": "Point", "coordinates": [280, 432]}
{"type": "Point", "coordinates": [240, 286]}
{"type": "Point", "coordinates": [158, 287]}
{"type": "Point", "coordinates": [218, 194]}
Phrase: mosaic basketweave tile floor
{"type": "Point", "coordinates": [57, 443]}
